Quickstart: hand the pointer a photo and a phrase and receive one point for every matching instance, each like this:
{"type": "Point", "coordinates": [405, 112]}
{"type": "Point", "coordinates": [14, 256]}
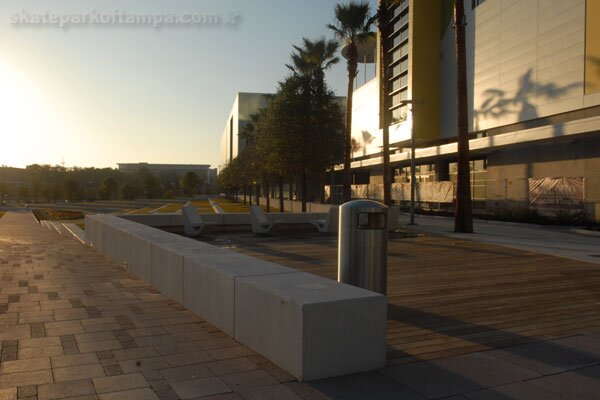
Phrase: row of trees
{"type": "Point", "coordinates": [299, 133]}
{"type": "Point", "coordinates": [55, 183]}
{"type": "Point", "coordinates": [293, 135]}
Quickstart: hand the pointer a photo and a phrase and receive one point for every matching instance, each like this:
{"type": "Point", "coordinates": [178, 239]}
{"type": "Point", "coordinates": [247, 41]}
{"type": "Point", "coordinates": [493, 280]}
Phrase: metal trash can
{"type": "Point", "coordinates": [362, 245]}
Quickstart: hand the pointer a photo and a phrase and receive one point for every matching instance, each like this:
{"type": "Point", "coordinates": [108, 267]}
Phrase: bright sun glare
{"type": "Point", "coordinates": [23, 117]}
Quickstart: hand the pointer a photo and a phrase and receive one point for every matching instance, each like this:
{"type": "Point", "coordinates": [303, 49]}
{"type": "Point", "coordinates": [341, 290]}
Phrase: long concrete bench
{"type": "Point", "coordinates": [308, 325]}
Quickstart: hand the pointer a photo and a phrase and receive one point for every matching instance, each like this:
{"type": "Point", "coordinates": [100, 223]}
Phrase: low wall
{"type": "Point", "coordinates": [222, 220]}
{"type": "Point", "coordinates": [308, 325]}
{"type": "Point", "coordinates": [291, 205]}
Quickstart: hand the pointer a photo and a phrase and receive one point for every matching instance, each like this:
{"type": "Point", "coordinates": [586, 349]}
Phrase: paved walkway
{"type": "Point", "coordinates": [545, 240]}
{"type": "Point", "coordinates": [74, 325]}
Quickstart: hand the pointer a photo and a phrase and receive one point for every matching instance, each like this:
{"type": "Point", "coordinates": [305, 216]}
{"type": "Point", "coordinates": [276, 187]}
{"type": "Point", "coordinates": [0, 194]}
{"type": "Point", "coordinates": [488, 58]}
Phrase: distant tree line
{"type": "Point", "coordinates": [45, 183]}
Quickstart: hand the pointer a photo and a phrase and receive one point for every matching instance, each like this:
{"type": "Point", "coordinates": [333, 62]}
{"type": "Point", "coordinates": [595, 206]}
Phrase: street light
{"type": "Point", "coordinates": [412, 158]}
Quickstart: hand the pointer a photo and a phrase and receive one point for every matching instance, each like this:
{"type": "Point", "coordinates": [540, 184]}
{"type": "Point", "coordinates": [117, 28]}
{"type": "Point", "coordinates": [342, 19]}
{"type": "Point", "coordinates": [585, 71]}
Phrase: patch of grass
{"type": "Point", "coordinates": [145, 210]}
{"type": "Point", "coordinates": [203, 206]}
{"type": "Point", "coordinates": [169, 208]}
{"type": "Point", "coordinates": [231, 207]}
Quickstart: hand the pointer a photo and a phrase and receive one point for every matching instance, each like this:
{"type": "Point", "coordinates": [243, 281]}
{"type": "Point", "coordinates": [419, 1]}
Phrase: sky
{"type": "Point", "coordinates": [101, 90]}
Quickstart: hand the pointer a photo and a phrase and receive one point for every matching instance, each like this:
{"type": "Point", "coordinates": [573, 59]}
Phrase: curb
{"type": "Point", "coordinates": [585, 232]}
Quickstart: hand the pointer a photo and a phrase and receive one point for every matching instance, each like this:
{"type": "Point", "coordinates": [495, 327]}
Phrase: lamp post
{"type": "Point", "coordinates": [412, 158]}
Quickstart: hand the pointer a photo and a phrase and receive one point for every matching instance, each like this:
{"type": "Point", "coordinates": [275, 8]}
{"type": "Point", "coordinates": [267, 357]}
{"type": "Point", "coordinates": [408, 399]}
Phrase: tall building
{"type": "Point", "coordinates": [244, 106]}
{"type": "Point", "coordinates": [534, 104]}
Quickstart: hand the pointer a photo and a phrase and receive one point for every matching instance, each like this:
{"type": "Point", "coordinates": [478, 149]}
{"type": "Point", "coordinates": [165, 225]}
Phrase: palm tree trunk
{"type": "Point", "coordinates": [463, 217]}
{"type": "Point", "coordinates": [352, 67]}
{"type": "Point", "coordinates": [245, 191]}
{"type": "Point", "coordinates": [257, 194]}
{"type": "Point", "coordinates": [268, 189]}
{"type": "Point", "coordinates": [304, 189]}
{"type": "Point", "coordinates": [281, 194]}
{"type": "Point", "coordinates": [383, 22]}
{"type": "Point", "coordinates": [323, 179]}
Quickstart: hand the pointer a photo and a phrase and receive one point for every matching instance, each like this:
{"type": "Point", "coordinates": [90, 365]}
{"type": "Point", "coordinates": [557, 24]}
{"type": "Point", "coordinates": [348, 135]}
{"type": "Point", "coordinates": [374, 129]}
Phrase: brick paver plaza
{"type": "Point", "coordinates": [466, 322]}
{"type": "Point", "coordinates": [74, 325]}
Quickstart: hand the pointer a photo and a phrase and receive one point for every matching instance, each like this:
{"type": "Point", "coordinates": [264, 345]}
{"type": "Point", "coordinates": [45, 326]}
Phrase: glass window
{"type": "Point", "coordinates": [400, 52]}
{"type": "Point", "coordinates": [401, 37]}
{"type": "Point", "coordinates": [400, 82]}
{"type": "Point", "coordinates": [398, 97]}
{"type": "Point", "coordinates": [399, 114]}
{"type": "Point", "coordinates": [400, 68]}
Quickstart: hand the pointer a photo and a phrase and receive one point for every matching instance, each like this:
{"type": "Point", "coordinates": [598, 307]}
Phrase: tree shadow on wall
{"type": "Point", "coordinates": [367, 139]}
{"type": "Point", "coordinates": [497, 103]}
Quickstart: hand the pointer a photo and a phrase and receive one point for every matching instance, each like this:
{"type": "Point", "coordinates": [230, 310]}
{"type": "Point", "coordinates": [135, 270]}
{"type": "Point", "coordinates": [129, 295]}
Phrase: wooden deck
{"type": "Point", "coordinates": [449, 297]}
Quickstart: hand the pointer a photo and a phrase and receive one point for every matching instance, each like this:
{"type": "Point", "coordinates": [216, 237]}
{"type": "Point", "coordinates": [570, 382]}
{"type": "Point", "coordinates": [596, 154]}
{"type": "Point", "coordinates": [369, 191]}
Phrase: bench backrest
{"type": "Point", "coordinates": [190, 213]}
{"type": "Point", "coordinates": [259, 215]}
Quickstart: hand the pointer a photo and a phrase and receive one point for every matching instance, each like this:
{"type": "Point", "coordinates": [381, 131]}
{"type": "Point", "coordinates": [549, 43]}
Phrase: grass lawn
{"type": "Point", "coordinates": [203, 206]}
{"type": "Point", "coordinates": [231, 207]}
{"type": "Point", "coordinates": [169, 208]}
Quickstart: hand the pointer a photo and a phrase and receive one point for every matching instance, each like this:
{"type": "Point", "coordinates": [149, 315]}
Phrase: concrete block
{"type": "Point", "coordinates": [311, 326]}
{"type": "Point", "coordinates": [176, 220]}
{"type": "Point", "coordinates": [209, 283]}
{"type": "Point", "coordinates": [167, 270]}
{"type": "Point", "coordinates": [108, 244]}
{"type": "Point", "coordinates": [92, 230]}
{"type": "Point", "coordinates": [140, 253]}
{"type": "Point", "coordinates": [89, 229]}
{"type": "Point", "coordinates": [294, 218]}
{"type": "Point", "coordinates": [236, 219]}
{"type": "Point", "coordinates": [123, 252]}
{"type": "Point", "coordinates": [149, 219]}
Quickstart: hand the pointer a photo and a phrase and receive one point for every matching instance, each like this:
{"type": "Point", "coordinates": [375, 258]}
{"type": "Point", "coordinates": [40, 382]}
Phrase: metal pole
{"type": "Point", "coordinates": [412, 158]}
{"type": "Point", "coordinates": [412, 172]}
{"type": "Point", "coordinates": [365, 66]}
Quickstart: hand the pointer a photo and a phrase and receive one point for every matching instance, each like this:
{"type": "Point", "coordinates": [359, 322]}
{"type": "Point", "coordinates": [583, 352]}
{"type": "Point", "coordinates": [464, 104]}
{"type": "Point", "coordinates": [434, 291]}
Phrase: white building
{"type": "Point", "coordinates": [244, 106]}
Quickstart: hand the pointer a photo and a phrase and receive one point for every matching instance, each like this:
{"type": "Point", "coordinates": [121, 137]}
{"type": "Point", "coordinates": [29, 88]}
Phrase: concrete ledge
{"type": "Point", "coordinates": [155, 219]}
{"type": "Point", "coordinates": [295, 218]}
{"type": "Point", "coordinates": [226, 219]}
{"type": "Point", "coordinates": [74, 231]}
{"type": "Point", "coordinates": [310, 326]}
{"type": "Point", "coordinates": [209, 283]}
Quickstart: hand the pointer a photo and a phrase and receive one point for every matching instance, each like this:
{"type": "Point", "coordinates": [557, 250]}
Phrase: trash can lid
{"type": "Point", "coordinates": [364, 204]}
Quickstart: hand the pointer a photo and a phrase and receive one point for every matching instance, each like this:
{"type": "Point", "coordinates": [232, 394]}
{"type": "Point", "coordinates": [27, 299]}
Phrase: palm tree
{"type": "Point", "coordinates": [314, 57]}
{"type": "Point", "coordinates": [463, 217]}
{"type": "Point", "coordinates": [352, 26]}
{"type": "Point", "coordinates": [310, 62]}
